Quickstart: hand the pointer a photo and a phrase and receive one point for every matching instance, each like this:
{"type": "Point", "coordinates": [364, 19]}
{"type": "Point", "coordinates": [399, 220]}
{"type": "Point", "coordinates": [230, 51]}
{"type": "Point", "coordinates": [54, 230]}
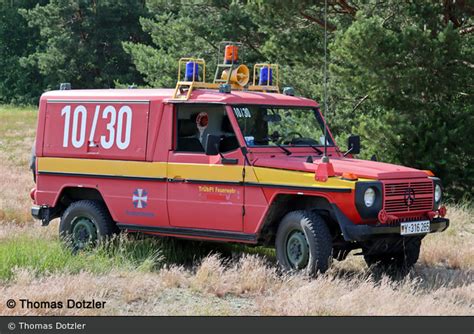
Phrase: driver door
{"type": "Point", "coordinates": [202, 192]}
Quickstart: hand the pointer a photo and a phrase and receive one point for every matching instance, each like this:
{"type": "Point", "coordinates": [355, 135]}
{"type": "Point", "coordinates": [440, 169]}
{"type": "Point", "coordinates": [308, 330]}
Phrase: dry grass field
{"type": "Point", "coordinates": [143, 276]}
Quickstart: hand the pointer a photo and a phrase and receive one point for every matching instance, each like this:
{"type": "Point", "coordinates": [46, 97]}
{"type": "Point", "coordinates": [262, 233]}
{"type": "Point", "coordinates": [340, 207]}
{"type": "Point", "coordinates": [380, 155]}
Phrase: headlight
{"type": "Point", "coordinates": [369, 197]}
{"type": "Point", "coordinates": [438, 193]}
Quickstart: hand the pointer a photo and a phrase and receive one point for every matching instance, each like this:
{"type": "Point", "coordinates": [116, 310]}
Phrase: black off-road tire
{"type": "Point", "coordinates": [92, 213]}
{"type": "Point", "coordinates": [395, 264]}
{"type": "Point", "coordinates": [317, 236]}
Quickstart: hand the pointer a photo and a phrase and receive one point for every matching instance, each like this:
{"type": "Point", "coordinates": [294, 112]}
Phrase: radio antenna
{"type": "Point", "coordinates": [325, 169]}
{"type": "Point", "coordinates": [325, 85]}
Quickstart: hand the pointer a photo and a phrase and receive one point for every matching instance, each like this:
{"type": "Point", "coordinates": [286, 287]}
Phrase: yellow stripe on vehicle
{"type": "Point", "coordinates": [298, 179]}
{"type": "Point", "coordinates": [102, 167]}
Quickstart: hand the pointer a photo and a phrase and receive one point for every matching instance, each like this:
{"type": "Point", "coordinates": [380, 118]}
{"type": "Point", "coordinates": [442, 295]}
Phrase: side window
{"type": "Point", "coordinates": [196, 122]}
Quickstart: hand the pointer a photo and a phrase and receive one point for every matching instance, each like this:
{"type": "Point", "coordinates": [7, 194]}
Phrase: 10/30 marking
{"type": "Point", "coordinates": [119, 126]}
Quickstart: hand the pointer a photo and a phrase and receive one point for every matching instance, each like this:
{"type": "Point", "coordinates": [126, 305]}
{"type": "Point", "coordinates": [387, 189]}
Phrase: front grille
{"type": "Point", "coordinates": [396, 222]}
{"type": "Point", "coordinates": [408, 196]}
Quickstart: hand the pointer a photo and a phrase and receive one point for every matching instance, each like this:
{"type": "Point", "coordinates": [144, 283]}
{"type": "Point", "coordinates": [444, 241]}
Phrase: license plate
{"type": "Point", "coordinates": [419, 227]}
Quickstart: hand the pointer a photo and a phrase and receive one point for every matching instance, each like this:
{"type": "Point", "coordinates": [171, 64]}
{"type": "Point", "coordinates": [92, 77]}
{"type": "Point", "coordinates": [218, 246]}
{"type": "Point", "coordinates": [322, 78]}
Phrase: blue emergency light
{"type": "Point", "coordinates": [266, 76]}
{"type": "Point", "coordinates": [192, 71]}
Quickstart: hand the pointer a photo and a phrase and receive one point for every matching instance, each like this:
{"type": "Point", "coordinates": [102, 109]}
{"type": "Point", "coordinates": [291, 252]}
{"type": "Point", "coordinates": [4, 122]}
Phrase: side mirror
{"type": "Point", "coordinates": [353, 144]}
{"type": "Point", "coordinates": [212, 144]}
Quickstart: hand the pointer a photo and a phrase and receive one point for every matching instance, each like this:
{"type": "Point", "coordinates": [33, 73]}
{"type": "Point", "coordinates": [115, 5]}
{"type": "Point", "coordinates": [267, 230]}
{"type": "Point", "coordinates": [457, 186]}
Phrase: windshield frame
{"type": "Point", "coordinates": [318, 118]}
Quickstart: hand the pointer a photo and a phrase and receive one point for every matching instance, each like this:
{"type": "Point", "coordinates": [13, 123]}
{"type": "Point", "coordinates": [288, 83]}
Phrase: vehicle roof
{"type": "Point", "coordinates": [165, 95]}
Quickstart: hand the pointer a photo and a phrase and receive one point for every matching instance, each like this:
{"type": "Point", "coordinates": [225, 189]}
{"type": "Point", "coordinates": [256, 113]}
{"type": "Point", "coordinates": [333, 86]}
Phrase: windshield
{"type": "Point", "coordinates": [281, 126]}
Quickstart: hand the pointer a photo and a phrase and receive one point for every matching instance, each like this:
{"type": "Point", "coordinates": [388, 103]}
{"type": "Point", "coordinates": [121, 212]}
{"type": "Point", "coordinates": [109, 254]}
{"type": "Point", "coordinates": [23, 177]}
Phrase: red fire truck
{"type": "Point", "coordinates": [228, 161]}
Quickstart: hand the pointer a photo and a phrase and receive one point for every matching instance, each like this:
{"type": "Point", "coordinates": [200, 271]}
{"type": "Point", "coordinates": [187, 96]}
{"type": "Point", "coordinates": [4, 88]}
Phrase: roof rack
{"type": "Point", "coordinates": [228, 72]}
{"type": "Point", "coordinates": [184, 88]}
{"type": "Point", "coordinates": [266, 79]}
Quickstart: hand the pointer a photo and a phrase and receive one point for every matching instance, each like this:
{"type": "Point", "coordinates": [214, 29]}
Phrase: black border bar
{"type": "Point", "coordinates": [104, 176]}
{"type": "Point", "coordinates": [260, 325]}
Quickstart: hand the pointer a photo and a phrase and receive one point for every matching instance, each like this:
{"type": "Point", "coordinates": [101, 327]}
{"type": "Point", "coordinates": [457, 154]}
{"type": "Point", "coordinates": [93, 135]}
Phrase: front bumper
{"type": "Point", "coordinates": [37, 212]}
{"type": "Point", "coordinates": [44, 213]}
{"type": "Point", "coordinates": [354, 232]}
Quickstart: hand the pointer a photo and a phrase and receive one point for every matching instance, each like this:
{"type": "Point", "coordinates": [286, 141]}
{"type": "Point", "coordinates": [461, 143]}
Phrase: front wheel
{"type": "Point", "coordinates": [85, 223]}
{"type": "Point", "coordinates": [303, 242]}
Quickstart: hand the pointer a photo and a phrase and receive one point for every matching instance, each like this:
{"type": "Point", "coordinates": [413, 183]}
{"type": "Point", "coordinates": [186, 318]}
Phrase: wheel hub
{"type": "Point", "coordinates": [83, 233]}
{"type": "Point", "coordinates": [297, 250]}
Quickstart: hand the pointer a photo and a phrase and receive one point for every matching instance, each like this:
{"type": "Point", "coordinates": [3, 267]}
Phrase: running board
{"type": "Point", "coordinates": [192, 232]}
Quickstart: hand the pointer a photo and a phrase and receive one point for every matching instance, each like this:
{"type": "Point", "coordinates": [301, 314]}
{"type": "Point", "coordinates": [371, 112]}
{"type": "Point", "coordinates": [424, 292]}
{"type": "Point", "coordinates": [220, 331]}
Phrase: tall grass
{"type": "Point", "coordinates": [46, 257]}
{"type": "Point", "coordinates": [45, 254]}
{"type": "Point", "coordinates": [248, 285]}
{"type": "Point", "coordinates": [17, 131]}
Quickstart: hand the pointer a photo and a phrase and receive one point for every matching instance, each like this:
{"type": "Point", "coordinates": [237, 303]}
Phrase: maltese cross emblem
{"type": "Point", "coordinates": [140, 198]}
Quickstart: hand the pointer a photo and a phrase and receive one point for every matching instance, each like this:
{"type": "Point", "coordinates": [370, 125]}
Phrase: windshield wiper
{"type": "Point", "coordinates": [316, 149]}
{"type": "Point", "coordinates": [274, 137]}
{"type": "Point", "coordinates": [287, 151]}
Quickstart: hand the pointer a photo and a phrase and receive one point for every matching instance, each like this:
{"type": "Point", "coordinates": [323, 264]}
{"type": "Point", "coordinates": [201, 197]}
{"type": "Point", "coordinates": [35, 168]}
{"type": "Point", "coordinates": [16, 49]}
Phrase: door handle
{"type": "Point", "coordinates": [176, 179]}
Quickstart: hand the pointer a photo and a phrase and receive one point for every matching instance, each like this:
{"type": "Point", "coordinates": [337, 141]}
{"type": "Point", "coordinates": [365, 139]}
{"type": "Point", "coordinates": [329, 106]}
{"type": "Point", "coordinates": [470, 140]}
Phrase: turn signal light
{"type": "Point", "coordinates": [349, 177]}
{"type": "Point", "coordinates": [428, 172]}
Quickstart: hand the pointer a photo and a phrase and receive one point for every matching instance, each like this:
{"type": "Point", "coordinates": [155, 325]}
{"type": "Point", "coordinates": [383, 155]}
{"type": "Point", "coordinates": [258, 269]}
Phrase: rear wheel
{"type": "Point", "coordinates": [303, 242]}
{"type": "Point", "coordinates": [85, 223]}
{"type": "Point", "coordinates": [398, 263]}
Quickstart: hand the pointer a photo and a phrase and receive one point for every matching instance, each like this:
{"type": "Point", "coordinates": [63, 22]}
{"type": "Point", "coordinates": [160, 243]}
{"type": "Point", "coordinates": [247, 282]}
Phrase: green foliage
{"type": "Point", "coordinates": [18, 84]}
{"type": "Point", "coordinates": [417, 77]}
{"type": "Point", "coordinates": [190, 29]}
{"type": "Point", "coordinates": [81, 41]}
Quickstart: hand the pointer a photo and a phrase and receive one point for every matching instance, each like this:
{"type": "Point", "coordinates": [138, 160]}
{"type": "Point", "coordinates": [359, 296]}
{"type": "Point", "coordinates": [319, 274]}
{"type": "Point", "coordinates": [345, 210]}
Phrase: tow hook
{"type": "Point", "coordinates": [442, 211]}
{"type": "Point", "coordinates": [384, 217]}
